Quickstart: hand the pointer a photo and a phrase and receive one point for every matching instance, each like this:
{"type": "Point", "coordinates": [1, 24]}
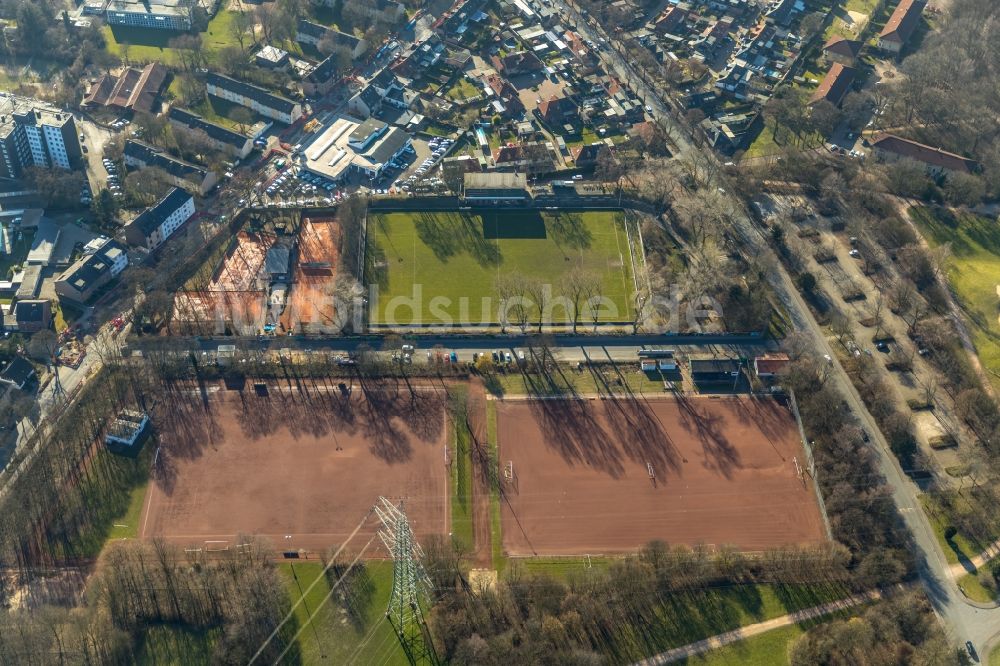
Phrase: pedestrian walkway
{"type": "Point", "coordinates": [720, 640]}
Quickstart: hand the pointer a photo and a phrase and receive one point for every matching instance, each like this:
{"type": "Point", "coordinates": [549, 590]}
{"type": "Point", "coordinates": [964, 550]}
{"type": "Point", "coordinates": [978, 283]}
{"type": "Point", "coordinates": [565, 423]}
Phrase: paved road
{"type": "Point", "coordinates": [48, 400]}
{"type": "Point", "coordinates": [700, 647]}
{"type": "Point", "coordinates": [566, 347]}
{"type": "Point", "coordinates": [962, 620]}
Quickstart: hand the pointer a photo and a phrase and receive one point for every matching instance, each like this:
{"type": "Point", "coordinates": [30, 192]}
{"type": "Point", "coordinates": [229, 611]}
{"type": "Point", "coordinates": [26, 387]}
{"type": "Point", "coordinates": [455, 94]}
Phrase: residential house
{"type": "Point", "coordinates": [670, 19]}
{"type": "Point", "coordinates": [454, 168]}
{"type": "Point", "coordinates": [384, 11]}
{"type": "Point", "coordinates": [138, 155]}
{"type": "Point", "coordinates": [314, 34]}
{"type": "Point", "coordinates": [254, 98]}
{"type": "Point", "coordinates": [384, 88]}
{"type": "Point", "coordinates": [835, 85]}
{"type": "Point", "coordinates": [901, 25]}
{"type": "Point", "coordinates": [421, 58]}
{"type": "Point", "coordinates": [587, 156]}
{"type": "Point", "coordinates": [92, 272]}
{"type": "Point", "coordinates": [890, 148]}
{"type": "Point", "coordinates": [323, 78]}
{"type": "Point", "coordinates": [131, 90]}
{"type": "Point", "coordinates": [521, 62]}
{"type": "Point", "coordinates": [559, 111]}
{"type": "Point", "coordinates": [222, 138]}
{"type": "Point", "coordinates": [784, 12]}
{"type": "Point", "coordinates": [842, 50]}
{"type": "Point", "coordinates": [506, 94]}
{"type": "Point", "coordinates": [531, 156]}
{"type": "Point", "coordinates": [18, 373]}
{"type": "Point", "coordinates": [728, 132]}
{"type": "Point", "coordinates": [155, 225]}
{"type": "Point", "coordinates": [33, 315]}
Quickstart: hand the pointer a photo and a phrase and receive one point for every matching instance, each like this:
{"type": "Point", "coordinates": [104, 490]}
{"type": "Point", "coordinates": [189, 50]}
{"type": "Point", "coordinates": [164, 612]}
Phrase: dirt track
{"type": "Point", "coordinates": [306, 463]}
{"type": "Point", "coordinates": [724, 474]}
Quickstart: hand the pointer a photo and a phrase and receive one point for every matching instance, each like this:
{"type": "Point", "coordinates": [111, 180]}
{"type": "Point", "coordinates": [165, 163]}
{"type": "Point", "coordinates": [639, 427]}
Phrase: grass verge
{"type": "Point", "coordinates": [973, 272]}
{"type": "Point", "coordinates": [767, 649]}
{"type": "Point", "coordinates": [960, 547]}
{"type": "Point", "coordinates": [349, 627]}
{"type": "Point", "coordinates": [126, 526]}
{"type": "Point", "coordinates": [496, 534]}
{"type": "Point", "coordinates": [973, 589]}
{"type": "Point", "coordinates": [461, 470]}
{"type": "Point", "coordinates": [171, 645]}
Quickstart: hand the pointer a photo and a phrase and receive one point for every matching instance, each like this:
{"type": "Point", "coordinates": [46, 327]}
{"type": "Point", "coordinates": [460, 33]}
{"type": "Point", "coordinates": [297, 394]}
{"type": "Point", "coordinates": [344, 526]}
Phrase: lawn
{"type": "Point", "coordinates": [18, 251]}
{"type": "Point", "coordinates": [169, 645]}
{"type": "Point", "coordinates": [995, 656]}
{"type": "Point", "coordinates": [767, 649]}
{"type": "Point", "coordinates": [499, 561]}
{"type": "Point", "coordinates": [461, 474]}
{"type": "Point", "coordinates": [960, 546]}
{"type": "Point", "coordinates": [590, 381]}
{"type": "Point", "coordinates": [126, 526]}
{"type": "Point", "coordinates": [768, 143]}
{"type": "Point", "coordinates": [970, 585]}
{"type": "Point", "coordinates": [462, 90]}
{"type": "Point", "coordinates": [150, 45]}
{"type": "Point", "coordinates": [217, 110]}
{"type": "Point", "coordinates": [687, 616]}
{"type": "Point", "coordinates": [348, 628]}
{"type": "Point", "coordinates": [973, 271]}
{"type": "Point", "coordinates": [443, 267]}
{"type": "Point", "coordinates": [117, 503]}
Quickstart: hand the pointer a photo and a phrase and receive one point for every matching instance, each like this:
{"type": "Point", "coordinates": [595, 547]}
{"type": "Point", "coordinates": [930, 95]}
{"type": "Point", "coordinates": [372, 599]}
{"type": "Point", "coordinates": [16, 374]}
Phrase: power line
{"type": "Point", "coordinates": [321, 575]}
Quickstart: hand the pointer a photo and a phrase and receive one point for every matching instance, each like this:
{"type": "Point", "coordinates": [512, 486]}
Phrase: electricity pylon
{"type": "Point", "coordinates": [409, 582]}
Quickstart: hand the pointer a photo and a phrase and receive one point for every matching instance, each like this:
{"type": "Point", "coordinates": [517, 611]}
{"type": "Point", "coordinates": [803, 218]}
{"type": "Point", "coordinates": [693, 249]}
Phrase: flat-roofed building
{"type": "Point", "coordinates": [156, 14]}
{"type": "Point", "coordinates": [495, 188]}
{"type": "Point", "coordinates": [128, 428]}
{"type": "Point", "coordinates": [348, 146]}
{"type": "Point", "coordinates": [32, 133]}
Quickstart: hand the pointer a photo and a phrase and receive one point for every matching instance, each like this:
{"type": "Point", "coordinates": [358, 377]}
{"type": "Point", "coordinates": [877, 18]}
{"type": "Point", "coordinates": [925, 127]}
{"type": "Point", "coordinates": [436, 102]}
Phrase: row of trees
{"type": "Point", "coordinates": [237, 596]}
{"type": "Point", "coordinates": [901, 630]}
{"type": "Point", "coordinates": [945, 97]}
{"type": "Point", "coordinates": [634, 607]}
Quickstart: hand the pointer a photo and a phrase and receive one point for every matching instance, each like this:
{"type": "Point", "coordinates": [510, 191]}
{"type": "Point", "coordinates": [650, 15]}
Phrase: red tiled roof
{"type": "Point", "coordinates": [132, 89]}
{"type": "Point", "coordinates": [903, 21]}
{"type": "Point", "coordinates": [771, 364]}
{"type": "Point", "coordinates": [897, 145]}
{"type": "Point", "coordinates": [843, 46]}
{"type": "Point", "coordinates": [835, 84]}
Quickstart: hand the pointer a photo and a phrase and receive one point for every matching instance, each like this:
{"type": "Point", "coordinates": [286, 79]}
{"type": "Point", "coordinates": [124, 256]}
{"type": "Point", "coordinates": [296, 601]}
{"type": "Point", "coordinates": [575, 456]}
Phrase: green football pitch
{"type": "Point", "coordinates": [442, 268]}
